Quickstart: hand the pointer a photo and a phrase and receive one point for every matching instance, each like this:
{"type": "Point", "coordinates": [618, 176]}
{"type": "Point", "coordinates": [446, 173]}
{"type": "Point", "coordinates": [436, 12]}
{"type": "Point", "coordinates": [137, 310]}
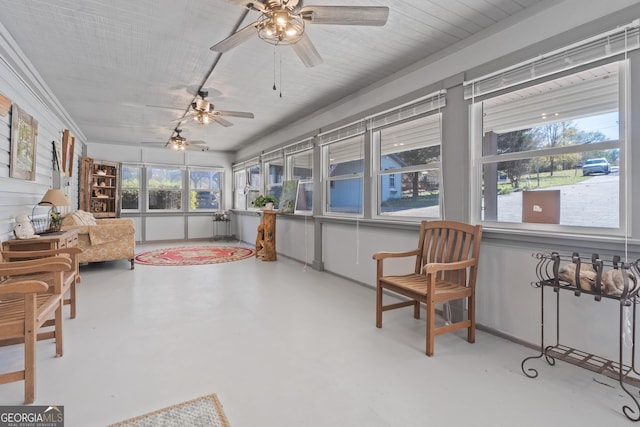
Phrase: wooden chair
{"type": "Point", "coordinates": [446, 264]}
{"type": "Point", "coordinates": [71, 277]}
{"type": "Point", "coordinates": [26, 305]}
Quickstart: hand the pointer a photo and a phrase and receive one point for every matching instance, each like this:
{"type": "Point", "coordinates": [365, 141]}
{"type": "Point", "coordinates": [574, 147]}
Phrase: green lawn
{"type": "Point", "coordinates": [545, 180]}
{"type": "Point", "coordinates": [422, 201]}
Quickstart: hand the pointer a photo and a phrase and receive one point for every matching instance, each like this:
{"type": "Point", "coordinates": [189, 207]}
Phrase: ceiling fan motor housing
{"type": "Point", "coordinates": [201, 105]}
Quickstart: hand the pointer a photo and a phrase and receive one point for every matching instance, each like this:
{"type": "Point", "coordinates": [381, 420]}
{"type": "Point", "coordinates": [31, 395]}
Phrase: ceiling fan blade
{"type": "Point", "coordinates": [234, 114]}
{"type": "Point", "coordinates": [307, 52]}
{"type": "Point", "coordinates": [345, 15]}
{"type": "Point", "coordinates": [223, 122]}
{"type": "Point", "coordinates": [162, 106]}
{"type": "Point", "coordinates": [196, 142]}
{"type": "Point", "coordinates": [235, 39]}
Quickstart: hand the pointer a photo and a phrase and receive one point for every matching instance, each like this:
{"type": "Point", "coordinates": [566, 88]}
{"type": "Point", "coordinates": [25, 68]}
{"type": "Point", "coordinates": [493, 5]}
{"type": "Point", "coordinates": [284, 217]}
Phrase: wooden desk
{"type": "Point", "coordinates": [50, 241]}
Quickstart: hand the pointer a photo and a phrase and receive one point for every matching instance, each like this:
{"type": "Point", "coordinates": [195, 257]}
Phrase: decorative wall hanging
{"type": "Point", "coordinates": [24, 135]}
{"type": "Point", "coordinates": [68, 143]}
{"type": "Point", "coordinates": [57, 156]}
{"type": "Point", "coordinates": [289, 195]}
{"type": "Point", "coordinates": [5, 104]}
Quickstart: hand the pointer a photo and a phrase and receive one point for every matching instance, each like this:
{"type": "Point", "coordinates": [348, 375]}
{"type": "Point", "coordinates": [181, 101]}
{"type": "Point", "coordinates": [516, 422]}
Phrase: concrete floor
{"type": "Point", "coordinates": [282, 345]}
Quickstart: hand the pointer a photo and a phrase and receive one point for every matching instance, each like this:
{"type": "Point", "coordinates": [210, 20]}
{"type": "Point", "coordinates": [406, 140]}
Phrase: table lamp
{"type": "Point", "coordinates": [54, 198]}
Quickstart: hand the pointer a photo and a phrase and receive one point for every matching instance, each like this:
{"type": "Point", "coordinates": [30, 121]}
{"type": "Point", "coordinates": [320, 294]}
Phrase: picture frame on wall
{"type": "Point", "coordinates": [24, 137]}
{"type": "Point", "coordinates": [289, 195]}
{"type": "Point", "coordinates": [68, 145]}
{"type": "Point", "coordinates": [57, 153]}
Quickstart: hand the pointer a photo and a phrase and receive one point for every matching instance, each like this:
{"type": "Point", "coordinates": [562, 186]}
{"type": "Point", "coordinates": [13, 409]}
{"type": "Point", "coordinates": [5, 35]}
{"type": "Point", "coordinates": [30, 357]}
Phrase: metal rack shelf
{"type": "Point", "coordinates": [548, 272]}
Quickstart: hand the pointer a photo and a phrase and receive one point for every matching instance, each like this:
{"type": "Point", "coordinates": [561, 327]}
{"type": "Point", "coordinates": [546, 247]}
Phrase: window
{"type": "Point", "coordinates": [300, 167]}
{"type": "Point", "coordinates": [274, 169]}
{"type": "Point", "coordinates": [131, 180]}
{"type": "Point", "coordinates": [247, 184]}
{"type": "Point", "coordinates": [543, 138]}
{"type": "Point", "coordinates": [408, 165]}
{"type": "Point", "coordinates": [344, 175]}
{"type": "Point", "coordinates": [239, 189]}
{"type": "Point", "coordinates": [204, 189]}
{"type": "Point", "coordinates": [164, 187]}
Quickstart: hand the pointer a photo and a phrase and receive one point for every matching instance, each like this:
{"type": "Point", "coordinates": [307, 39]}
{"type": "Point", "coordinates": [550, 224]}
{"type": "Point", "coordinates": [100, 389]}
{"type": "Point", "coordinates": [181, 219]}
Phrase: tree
{"type": "Point", "coordinates": [513, 142]}
{"type": "Point", "coordinates": [422, 156]}
{"type": "Point", "coordinates": [553, 135]}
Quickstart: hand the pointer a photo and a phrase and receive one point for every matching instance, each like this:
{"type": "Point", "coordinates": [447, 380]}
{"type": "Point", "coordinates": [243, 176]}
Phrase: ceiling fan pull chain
{"type": "Point", "coordinates": [274, 67]}
{"type": "Point", "coordinates": [280, 76]}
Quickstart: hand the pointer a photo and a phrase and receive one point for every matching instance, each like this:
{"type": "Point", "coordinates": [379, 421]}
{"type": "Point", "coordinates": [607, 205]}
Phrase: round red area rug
{"type": "Point", "coordinates": [194, 255]}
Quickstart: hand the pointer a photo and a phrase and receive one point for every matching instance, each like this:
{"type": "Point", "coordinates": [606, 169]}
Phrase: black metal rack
{"type": "Point", "coordinates": [548, 274]}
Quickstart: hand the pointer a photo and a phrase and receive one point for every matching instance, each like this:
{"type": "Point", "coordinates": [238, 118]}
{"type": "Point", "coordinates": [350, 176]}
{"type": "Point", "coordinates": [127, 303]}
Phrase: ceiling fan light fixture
{"type": "Point", "coordinates": [280, 27]}
{"type": "Point", "coordinates": [280, 17]}
{"type": "Point", "coordinates": [293, 30]}
{"type": "Point", "coordinates": [202, 118]}
{"type": "Point", "coordinates": [270, 30]}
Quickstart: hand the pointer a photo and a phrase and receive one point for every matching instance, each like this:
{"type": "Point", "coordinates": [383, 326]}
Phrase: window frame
{"type": "Point", "coordinates": [141, 192]}
{"type": "Point", "coordinates": [290, 175]}
{"type": "Point", "coordinates": [219, 193]}
{"type": "Point", "coordinates": [149, 189]}
{"type": "Point", "coordinates": [329, 180]}
{"type": "Point", "coordinates": [379, 173]}
{"type": "Point", "coordinates": [478, 160]}
{"type": "Point", "coordinates": [274, 187]}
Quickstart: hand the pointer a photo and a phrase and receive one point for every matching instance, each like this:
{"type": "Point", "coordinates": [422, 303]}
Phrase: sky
{"type": "Point", "coordinates": [605, 123]}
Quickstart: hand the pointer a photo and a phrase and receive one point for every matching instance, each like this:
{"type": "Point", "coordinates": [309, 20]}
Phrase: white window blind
{"type": "Point", "coordinates": [432, 102]}
{"type": "Point", "coordinates": [272, 155]}
{"type": "Point", "coordinates": [345, 132]}
{"type": "Point", "coordinates": [614, 42]}
{"type": "Point", "coordinates": [584, 94]}
{"type": "Point", "coordinates": [411, 135]}
{"type": "Point", "coordinates": [299, 146]}
{"type": "Point", "coordinates": [245, 164]}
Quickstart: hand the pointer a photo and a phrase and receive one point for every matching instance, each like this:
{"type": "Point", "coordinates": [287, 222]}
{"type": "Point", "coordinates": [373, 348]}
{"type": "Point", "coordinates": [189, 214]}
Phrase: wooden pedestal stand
{"type": "Point", "coordinates": [266, 240]}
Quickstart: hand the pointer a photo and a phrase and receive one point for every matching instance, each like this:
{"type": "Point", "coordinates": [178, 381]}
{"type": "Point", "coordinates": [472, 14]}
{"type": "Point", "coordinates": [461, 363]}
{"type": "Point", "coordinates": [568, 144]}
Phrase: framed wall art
{"type": "Point", "coordinates": [289, 193]}
{"type": "Point", "coordinates": [24, 136]}
{"type": "Point", "coordinates": [68, 143]}
{"type": "Point", "coordinates": [57, 155]}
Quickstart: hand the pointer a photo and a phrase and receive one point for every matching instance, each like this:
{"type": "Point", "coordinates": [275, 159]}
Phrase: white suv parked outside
{"type": "Point", "coordinates": [595, 166]}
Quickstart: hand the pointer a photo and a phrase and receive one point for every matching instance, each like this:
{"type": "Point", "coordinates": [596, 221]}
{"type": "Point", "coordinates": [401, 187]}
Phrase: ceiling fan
{"type": "Point", "coordinates": [203, 112]}
{"type": "Point", "coordinates": [180, 143]}
{"type": "Point", "coordinates": [282, 22]}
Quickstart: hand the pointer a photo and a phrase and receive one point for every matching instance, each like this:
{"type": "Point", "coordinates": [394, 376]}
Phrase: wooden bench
{"type": "Point", "coordinates": [26, 305]}
{"type": "Point", "coordinates": [445, 269]}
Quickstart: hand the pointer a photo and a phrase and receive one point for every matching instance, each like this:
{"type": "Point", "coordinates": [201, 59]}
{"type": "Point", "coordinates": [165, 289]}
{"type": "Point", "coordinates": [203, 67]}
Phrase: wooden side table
{"type": "Point", "coordinates": [266, 240]}
{"type": "Point", "coordinates": [49, 241]}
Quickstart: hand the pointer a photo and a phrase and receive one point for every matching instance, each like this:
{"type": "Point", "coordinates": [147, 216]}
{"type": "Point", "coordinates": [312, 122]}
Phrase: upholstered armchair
{"type": "Point", "coordinates": [102, 239]}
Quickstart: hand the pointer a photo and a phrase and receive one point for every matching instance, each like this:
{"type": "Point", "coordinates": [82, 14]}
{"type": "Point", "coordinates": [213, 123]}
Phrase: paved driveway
{"type": "Point", "coordinates": [593, 202]}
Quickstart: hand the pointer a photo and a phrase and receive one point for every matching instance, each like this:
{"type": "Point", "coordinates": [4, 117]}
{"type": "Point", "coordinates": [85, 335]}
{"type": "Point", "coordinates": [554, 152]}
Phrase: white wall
{"type": "Point", "coordinates": [295, 238]}
{"type": "Point", "coordinates": [20, 83]}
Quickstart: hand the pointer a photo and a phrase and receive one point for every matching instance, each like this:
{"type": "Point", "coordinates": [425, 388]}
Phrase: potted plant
{"type": "Point", "coordinates": [265, 202]}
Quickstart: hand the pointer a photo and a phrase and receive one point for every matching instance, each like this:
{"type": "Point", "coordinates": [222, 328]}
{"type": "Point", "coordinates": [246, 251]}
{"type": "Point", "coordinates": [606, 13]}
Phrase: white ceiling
{"type": "Point", "coordinates": [107, 61]}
